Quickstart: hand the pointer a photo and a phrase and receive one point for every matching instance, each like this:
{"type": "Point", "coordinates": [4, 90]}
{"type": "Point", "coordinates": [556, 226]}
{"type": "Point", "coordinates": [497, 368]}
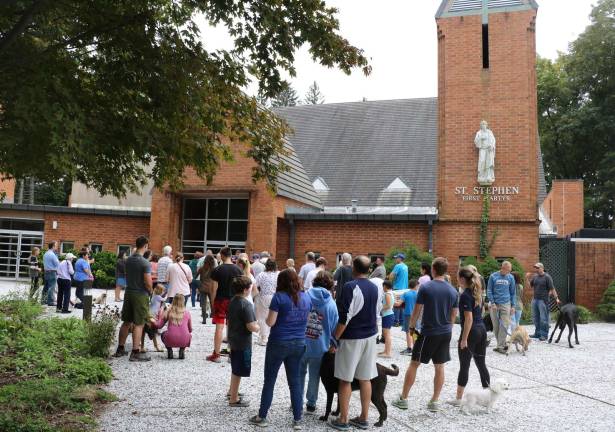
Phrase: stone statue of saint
{"type": "Point", "coordinates": [485, 143]}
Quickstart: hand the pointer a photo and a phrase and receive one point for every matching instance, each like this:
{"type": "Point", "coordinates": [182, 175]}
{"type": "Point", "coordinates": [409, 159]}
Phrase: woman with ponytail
{"type": "Point", "coordinates": [179, 277]}
{"type": "Point", "coordinates": [473, 340]}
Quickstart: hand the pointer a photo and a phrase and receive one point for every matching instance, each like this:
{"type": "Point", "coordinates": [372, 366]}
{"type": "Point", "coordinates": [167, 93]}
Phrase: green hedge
{"type": "Point", "coordinates": [103, 267]}
{"type": "Point", "coordinates": [490, 265]}
{"type": "Point", "coordinates": [414, 258]}
{"type": "Point", "coordinates": [606, 307]}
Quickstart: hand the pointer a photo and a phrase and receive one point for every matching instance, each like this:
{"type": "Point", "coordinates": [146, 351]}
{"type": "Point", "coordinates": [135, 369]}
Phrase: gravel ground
{"type": "Point", "coordinates": [553, 388]}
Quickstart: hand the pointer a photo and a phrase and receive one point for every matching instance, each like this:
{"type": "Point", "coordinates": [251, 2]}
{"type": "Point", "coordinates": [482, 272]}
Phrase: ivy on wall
{"type": "Point", "coordinates": [485, 243]}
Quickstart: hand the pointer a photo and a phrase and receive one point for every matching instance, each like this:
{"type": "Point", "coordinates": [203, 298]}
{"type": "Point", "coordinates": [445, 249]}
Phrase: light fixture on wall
{"type": "Point", "coordinates": [54, 225]}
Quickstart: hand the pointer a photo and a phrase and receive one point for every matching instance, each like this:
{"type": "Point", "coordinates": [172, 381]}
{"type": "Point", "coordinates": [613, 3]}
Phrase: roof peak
{"type": "Point", "coordinates": [366, 102]}
{"type": "Point", "coordinates": [450, 8]}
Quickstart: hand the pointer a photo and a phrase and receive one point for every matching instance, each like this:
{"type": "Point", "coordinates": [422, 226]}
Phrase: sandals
{"type": "Point", "coordinates": [358, 423]}
{"type": "Point", "coordinates": [241, 403]}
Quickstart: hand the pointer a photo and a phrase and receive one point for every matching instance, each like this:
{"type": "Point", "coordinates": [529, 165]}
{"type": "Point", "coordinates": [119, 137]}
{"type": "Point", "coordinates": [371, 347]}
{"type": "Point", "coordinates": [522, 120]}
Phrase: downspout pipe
{"type": "Point", "coordinates": [430, 239]}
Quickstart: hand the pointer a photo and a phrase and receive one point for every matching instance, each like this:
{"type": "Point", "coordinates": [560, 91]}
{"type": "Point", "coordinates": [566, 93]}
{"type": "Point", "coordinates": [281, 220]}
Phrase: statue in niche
{"type": "Point", "coordinates": [485, 143]}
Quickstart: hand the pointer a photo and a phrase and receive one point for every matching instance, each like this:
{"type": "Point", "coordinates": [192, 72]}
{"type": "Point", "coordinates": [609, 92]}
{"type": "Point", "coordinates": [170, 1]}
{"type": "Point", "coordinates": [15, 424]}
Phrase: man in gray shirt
{"type": "Point", "coordinates": [542, 284]}
{"type": "Point", "coordinates": [135, 310]}
{"type": "Point", "coordinates": [380, 271]}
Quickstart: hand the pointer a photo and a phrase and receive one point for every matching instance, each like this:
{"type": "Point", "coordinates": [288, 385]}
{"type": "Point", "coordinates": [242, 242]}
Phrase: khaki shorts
{"type": "Point", "coordinates": [356, 359]}
{"type": "Point", "coordinates": [135, 308]}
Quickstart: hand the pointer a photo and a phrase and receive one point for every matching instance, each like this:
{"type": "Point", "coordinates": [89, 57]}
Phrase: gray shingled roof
{"type": "Point", "coordinates": [474, 7]}
{"type": "Point", "coordinates": [359, 148]}
{"type": "Point", "coordinates": [294, 183]}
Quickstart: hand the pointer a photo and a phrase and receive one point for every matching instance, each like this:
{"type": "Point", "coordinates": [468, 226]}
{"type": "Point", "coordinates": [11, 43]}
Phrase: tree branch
{"type": "Point", "coordinates": [21, 24]}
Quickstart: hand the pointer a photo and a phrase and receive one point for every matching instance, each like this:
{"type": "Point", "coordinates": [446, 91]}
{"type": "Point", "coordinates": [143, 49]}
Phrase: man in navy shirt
{"type": "Point", "coordinates": [356, 331]}
{"type": "Point", "coordinates": [439, 302]}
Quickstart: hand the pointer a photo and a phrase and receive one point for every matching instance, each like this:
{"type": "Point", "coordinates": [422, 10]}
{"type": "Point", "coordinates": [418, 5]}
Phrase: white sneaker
{"type": "Point", "coordinates": [434, 406]}
{"type": "Point", "coordinates": [454, 402]}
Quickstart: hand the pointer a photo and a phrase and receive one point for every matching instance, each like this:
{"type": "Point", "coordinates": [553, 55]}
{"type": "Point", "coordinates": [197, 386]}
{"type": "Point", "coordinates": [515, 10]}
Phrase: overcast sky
{"type": "Point", "coordinates": [399, 36]}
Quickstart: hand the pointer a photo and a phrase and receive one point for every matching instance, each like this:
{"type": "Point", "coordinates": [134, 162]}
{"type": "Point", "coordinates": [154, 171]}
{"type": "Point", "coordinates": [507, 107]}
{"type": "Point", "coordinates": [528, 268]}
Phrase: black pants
{"type": "Point", "coordinates": [79, 294]}
{"type": "Point", "coordinates": [33, 285]}
{"type": "Point", "coordinates": [63, 294]}
{"type": "Point", "coordinates": [477, 348]}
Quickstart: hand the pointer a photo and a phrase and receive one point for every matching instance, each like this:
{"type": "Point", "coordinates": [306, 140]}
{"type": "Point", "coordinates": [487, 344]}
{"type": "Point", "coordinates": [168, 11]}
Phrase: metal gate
{"type": "Point", "coordinates": [557, 255]}
{"type": "Point", "coordinates": [15, 249]}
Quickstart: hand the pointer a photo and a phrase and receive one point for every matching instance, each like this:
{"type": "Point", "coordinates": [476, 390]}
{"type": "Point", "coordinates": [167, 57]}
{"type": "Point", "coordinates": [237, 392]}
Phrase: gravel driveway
{"type": "Point", "coordinates": [553, 388]}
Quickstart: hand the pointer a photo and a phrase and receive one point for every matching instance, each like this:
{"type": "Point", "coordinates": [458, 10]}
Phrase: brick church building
{"type": "Point", "coordinates": [364, 177]}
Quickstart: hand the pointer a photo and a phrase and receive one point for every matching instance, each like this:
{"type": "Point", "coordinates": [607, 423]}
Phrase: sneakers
{"type": "Point", "coordinates": [383, 355]}
{"type": "Point", "coordinates": [406, 352]}
{"type": "Point", "coordinates": [454, 402]}
{"type": "Point", "coordinates": [400, 403]}
{"type": "Point", "coordinates": [310, 409]}
{"type": "Point", "coordinates": [228, 396]}
{"type": "Point", "coordinates": [215, 358]}
{"type": "Point", "coordinates": [338, 425]}
{"type": "Point", "coordinates": [139, 357]}
{"type": "Point", "coordinates": [297, 425]}
{"type": "Point", "coordinates": [434, 406]}
{"type": "Point", "coordinates": [260, 422]}
{"type": "Point", "coordinates": [500, 350]}
{"type": "Point", "coordinates": [120, 352]}
{"type": "Point", "coordinates": [358, 423]}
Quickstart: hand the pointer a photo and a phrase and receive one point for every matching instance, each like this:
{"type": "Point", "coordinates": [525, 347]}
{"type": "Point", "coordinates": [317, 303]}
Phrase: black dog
{"type": "Point", "coordinates": [378, 386]}
{"type": "Point", "coordinates": [568, 316]}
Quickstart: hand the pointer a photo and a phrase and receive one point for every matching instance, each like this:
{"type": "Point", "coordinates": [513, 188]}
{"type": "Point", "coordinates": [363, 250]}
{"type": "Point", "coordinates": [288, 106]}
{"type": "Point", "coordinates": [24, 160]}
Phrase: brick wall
{"type": "Point", "coordinates": [595, 269]}
{"type": "Point", "coordinates": [564, 206]}
{"type": "Point", "coordinates": [232, 179]}
{"type": "Point", "coordinates": [81, 229]}
{"type": "Point", "coordinates": [330, 238]}
{"type": "Point", "coordinates": [8, 186]}
{"type": "Point", "coordinates": [505, 96]}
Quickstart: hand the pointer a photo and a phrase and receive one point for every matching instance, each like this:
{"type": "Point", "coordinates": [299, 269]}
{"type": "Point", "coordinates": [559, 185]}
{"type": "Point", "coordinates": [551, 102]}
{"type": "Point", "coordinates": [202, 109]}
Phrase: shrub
{"type": "Point", "coordinates": [585, 315]}
{"type": "Point", "coordinates": [490, 265]}
{"type": "Point", "coordinates": [103, 269]}
{"type": "Point", "coordinates": [606, 307]}
{"type": "Point", "coordinates": [101, 331]}
{"type": "Point", "coordinates": [414, 258]}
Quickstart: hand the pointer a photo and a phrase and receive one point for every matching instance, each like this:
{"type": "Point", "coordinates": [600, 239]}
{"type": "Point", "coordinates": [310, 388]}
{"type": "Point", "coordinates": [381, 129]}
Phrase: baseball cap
{"type": "Point", "coordinates": [69, 256]}
{"type": "Point", "coordinates": [400, 255]}
{"type": "Point", "coordinates": [539, 265]}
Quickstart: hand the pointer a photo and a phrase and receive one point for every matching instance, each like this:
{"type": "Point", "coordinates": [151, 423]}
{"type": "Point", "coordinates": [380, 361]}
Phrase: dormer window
{"type": "Point", "coordinates": [397, 185]}
{"type": "Point", "coordinates": [320, 185]}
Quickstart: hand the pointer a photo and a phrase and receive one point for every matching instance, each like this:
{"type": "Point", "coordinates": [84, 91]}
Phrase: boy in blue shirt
{"type": "Point", "coordinates": [408, 301]}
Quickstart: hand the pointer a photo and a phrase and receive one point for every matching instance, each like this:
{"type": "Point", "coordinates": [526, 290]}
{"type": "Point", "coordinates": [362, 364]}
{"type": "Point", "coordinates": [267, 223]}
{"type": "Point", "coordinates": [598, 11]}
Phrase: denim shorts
{"type": "Point", "coordinates": [121, 282]}
{"type": "Point", "coordinates": [241, 362]}
{"type": "Point", "coordinates": [387, 321]}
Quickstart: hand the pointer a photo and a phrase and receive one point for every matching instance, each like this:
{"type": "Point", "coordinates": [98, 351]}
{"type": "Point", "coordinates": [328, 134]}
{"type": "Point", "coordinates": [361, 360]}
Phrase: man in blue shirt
{"type": "Point", "coordinates": [50, 265]}
{"type": "Point", "coordinates": [501, 298]}
{"type": "Point", "coordinates": [439, 302]}
{"type": "Point", "coordinates": [399, 277]}
{"type": "Point", "coordinates": [356, 332]}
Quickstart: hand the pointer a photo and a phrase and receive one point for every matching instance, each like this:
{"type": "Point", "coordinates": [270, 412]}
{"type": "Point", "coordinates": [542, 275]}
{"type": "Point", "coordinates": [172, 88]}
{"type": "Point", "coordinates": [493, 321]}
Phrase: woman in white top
{"type": "Point", "coordinates": [266, 284]}
{"type": "Point", "coordinates": [179, 277]}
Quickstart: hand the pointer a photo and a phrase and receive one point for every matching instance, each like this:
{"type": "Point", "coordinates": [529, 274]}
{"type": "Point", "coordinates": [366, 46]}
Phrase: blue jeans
{"type": "Point", "coordinates": [290, 353]}
{"type": "Point", "coordinates": [194, 286]}
{"type": "Point", "coordinates": [516, 320]}
{"type": "Point", "coordinates": [311, 365]}
{"type": "Point", "coordinates": [49, 287]}
{"type": "Point", "coordinates": [540, 315]}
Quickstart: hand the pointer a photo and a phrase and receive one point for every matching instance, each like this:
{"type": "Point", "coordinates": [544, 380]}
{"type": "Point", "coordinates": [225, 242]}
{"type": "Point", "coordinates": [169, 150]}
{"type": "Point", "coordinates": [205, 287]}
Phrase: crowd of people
{"type": "Point", "coordinates": [298, 316]}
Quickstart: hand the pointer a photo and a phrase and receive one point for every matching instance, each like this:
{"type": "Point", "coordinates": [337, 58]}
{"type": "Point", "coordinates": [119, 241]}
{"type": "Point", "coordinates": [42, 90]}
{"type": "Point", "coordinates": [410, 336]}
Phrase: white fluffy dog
{"type": "Point", "coordinates": [486, 398]}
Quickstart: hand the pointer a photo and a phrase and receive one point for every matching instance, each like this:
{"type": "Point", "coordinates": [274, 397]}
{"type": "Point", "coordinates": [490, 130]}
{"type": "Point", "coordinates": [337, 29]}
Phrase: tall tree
{"type": "Point", "coordinates": [576, 98]}
{"type": "Point", "coordinates": [110, 93]}
{"type": "Point", "coordinates": [313, 95]}
{"type": "Point", "coordinates": [287, 97]}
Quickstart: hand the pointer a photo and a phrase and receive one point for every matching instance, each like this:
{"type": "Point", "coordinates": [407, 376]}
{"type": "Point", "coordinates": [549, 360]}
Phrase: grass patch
{"type": "Point", "coordinates": [48, 378]}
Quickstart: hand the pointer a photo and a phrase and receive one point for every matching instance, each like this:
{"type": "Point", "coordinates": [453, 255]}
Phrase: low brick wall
{"type": "Point", "coordinates": [595, 269]}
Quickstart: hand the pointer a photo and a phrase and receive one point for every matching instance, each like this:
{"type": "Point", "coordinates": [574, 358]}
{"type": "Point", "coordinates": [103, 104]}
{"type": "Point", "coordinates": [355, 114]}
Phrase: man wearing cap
{"type": "Point", "coordinates": [501, 296]}
{"type": "Point", "coordinates": [257, 266]}
{"type": "Point", "coordinates": [65, 272]}
{"type": "Point", "coordinates": [542, 284]}
{"type": "Point", "coordinates": [399, 277]}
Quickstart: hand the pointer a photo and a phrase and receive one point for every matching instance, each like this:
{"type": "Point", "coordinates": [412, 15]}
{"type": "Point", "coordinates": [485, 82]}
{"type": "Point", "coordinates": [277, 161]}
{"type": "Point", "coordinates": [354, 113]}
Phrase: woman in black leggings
{"type": "Point", "coordinates": [473, 340]}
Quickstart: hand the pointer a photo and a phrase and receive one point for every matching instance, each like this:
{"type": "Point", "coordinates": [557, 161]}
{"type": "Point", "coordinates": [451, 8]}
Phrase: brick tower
{"type": "Point", "coordinates": [486, 67]}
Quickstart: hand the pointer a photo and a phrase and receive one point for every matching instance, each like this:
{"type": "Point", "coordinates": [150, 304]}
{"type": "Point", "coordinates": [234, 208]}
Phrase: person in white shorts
{"type": "Point", "coordinates": [356, 339]}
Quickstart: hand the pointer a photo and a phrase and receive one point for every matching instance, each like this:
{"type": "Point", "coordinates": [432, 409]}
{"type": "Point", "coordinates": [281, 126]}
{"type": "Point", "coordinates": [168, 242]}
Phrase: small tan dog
{"type": "Point", "coordinates": [101, 299]}
{"type": "Point", "coordinates": [518, 337]}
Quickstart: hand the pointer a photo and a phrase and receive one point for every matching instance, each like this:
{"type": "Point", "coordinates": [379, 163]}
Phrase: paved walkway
{"type": "Point", "coordinates": [553, 388]}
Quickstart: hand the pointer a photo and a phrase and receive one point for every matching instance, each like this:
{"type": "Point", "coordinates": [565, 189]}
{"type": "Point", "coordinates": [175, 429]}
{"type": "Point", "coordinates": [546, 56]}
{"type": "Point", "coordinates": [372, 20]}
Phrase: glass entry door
{"type": "Point", "coordinates": [15, 249]}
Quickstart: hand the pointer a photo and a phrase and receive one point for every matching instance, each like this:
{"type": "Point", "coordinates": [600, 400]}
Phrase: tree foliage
{"type": "Point", "coordinates": [314, 95]}
{"type": "Point", "coordinates": [576, 101]}
{"type": "Point", "coordinates": [110, 93]}
{"type": "Point", "coordinates": [287, 97]}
